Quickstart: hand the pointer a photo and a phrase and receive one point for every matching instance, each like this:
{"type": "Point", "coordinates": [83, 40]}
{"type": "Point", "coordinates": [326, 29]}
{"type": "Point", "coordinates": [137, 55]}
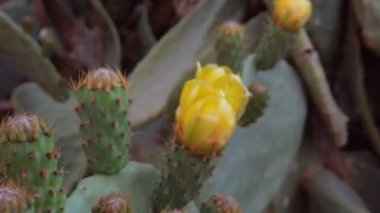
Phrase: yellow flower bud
{"type": "Point", "coordinates": [206, 126]}
{"type": "Point", "coordinates": [195, 90]}
{"type": "Point", "coordinates": [236, 93]}
{"type": "Point", "coordinates": [210, 73]}
{"type": "Point", "coordinates": [291, 15]}
{"type": "Point", "coordinates": [222, 78]}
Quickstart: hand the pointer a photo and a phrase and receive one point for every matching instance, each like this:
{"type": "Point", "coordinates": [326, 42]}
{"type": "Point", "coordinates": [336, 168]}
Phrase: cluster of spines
{"type": "Point", "coordinates": [221, 204]}
{"type": "Point", "coordinates": [257, 103]}
{"type": "Point", "coordinates": [28, 156]}
{"type": "Point", "coordinates": [230, 45]}
{"type": "Point", "coordinates": [13, 198]}
{"type": "Point", "coordinates": [103, 109]}
{"type": "Point", "coordinates": [113, 203]}
{"type": "Point", "coordinates": [182, 179]}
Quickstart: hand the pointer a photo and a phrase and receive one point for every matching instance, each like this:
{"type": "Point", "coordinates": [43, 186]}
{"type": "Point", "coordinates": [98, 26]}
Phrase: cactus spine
{"type": "Point", "coordinates": [13, 198]}
{"type": "Point", "coordinates": [256, 104]}
{"type": "Point", "coordinates": [221, 204]}
{"type": "Point", "coordinates": [113, 203]}
{"type": "Point", "coordinates": [230, 45]}
{"type": "Point", "coordinates": [103, 108]}
{"type": "Point", "coordinates": [28, 155]}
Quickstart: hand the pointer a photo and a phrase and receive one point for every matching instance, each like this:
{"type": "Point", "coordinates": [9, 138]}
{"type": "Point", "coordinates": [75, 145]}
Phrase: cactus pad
{"type": "Point", "coordinates": [256, 104]}
{"type": "Point", "coordinates": [103, 109]}
{"type": "Point", "coordinates": [230, 45]}
{"type": "Point", "coordinates": [181, 180]}
{"type": "Point", "coordinates": [28, 154]}
{"type": "Point", "coordinates": [273, 47]}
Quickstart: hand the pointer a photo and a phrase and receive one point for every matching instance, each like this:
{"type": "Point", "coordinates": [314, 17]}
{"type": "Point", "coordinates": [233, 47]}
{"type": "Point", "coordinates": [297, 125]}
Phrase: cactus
{"type": "Point", "coordinates": [182, 179]}
{"type": "Point", "coordinates": [230, 44]}
{"type": "Point", "coordinates": [256, 104]}
{"type": "Point", "coordinates": [13, 198]}
{"type": "Point", "coordinates": [273, 46]}
{"type": "Point", "coordinates": [288, 18]}
{"type": "Point", "coordinates": [103, 108]}
{"type": "Point", "coordinates": [113, 203]}
{"type": "Point", "coordinates": [171, 211]}
{"type": "Point", "coordinates": [27, 150]}
{"type": "Point", "coordinates": [221, 204]}
{"type": "Point", "coordinates": [206, 117]}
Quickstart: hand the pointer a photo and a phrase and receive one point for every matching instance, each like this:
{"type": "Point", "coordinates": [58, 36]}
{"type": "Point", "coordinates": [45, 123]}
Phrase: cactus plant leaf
{"type": "Point", "coordinates": [367, 12]}
{"type": "Point", "coordinates": [20, 50]}
{"type": "Point", "coordinates": [31, 98]}
{"type": "Point", "coordinates": [331, 195]}
{"type": "Point", "coordinates": [256, 161]}
{"type": "Point", "coordinates": [157, 74]}
{"type": "Point", "coordinates": [136, 181]}
{"type": "Point", "coordinates": [326, 37]}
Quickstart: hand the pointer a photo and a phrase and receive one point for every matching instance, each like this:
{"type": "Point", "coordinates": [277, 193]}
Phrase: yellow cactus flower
{"type": "Point", "coordinates": [194, 90]}
{"type": "Point", "coordinates": [205, 127]}
{"type": "Point", "coordinates": [222, 78]}
{"type": "Point", "coordinates": [291, 15]}
{"type": "Point", "coordinates": [236, 93]}
{"type": "Point", "coordinates": [211, 72]}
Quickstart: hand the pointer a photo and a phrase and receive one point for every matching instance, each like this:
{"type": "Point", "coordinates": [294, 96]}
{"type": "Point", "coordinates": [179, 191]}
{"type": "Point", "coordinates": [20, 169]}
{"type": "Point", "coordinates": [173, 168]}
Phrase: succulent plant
{"type": "Point", "coordinates": [113, 203]}
{"type": "Point", "coordinates": [103, 108]}
{"type": "Point", "coordinates": [28, 156]}
{"type": "Point", "coordinates": [221, 204]}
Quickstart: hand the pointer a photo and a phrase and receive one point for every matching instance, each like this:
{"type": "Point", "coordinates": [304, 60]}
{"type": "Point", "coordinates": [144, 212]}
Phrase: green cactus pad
{"type": "Point", "coordinates": [230, 45]}
{"type": "Point", "coordinates": [28, 156]}
{"type": "Point", "coordinates": [221, 204]}
{"type": "Point", "coordinates": [273, 47]}
{"type": "Point", "coordinates": [103, 109]}
{"type": "Point", "coordinates": [181, 179]}
{"type": "Point", "coordinates": [256, 104]}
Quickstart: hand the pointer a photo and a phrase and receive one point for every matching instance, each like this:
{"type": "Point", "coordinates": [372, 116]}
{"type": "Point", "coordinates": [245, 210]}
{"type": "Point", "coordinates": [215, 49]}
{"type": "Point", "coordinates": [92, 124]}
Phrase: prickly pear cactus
{"type": "Point", "coordinates": [28, 155]}
{"type": "Point", "coordinates": [13, 198]}
{"type": "Point", "coordinates": [273, 47]}
{"type": "Point", "coordinates": [113, 203]}
{"type": "Point", "coordinates": [256, 104]}
{"type": "Point", "coordinates": [181, 180]}
{"type": "Point", "coordinates": [230, 45]}
{"type": "Point", "coordinates": [221, 204]}
{"type": "Point", "coordinates": [103, 108]}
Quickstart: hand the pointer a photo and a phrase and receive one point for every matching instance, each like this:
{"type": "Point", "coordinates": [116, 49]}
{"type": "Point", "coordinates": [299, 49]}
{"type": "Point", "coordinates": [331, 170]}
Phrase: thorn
{"type": "Point", "coordinates": [102, 113]}
{"type": "Point", "coordinates": [118, 101]}
{"type": "Point", "coordinates": [44, 174]}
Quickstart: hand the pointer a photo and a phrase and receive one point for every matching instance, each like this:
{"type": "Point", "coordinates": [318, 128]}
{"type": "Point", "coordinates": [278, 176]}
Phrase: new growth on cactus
{"type": "Point", "coordinates": [210, 106]}
{"type": "Point", "coordinates": [230, 45]}
{"type": "Point", "coordinates": [29, 157]}
{"type": "Point", "coordinates": [256, 105]}
{"type": "Point", "coordinates": [113, 203]}
{"type": "Point", "coordinates": [103, 108]}
{"type": "Point", "coordinates": [288, 17]}
{"type": "Point", "coordinates": [13, 198]}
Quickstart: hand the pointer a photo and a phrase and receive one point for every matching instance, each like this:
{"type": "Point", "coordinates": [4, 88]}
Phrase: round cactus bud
{"type": "Point", "coordinates": [102, 78]}
{"type": "Point", "coordinates": [13, 198]}
{"type": "Point", "coordinates": [221, 204]}
{"type": "Point", "coordinates": [256, 104]}
{"type": "Point", "coordinates": [21, 128]}
{"type": "Point", "coordinates": [209, 107]}
{"type": "Point", "coordinates": [291, 15]}
{"type": "Point", "coordinates": [230, 46]}
{"type": "Point", "coordinates": [113, 203]}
